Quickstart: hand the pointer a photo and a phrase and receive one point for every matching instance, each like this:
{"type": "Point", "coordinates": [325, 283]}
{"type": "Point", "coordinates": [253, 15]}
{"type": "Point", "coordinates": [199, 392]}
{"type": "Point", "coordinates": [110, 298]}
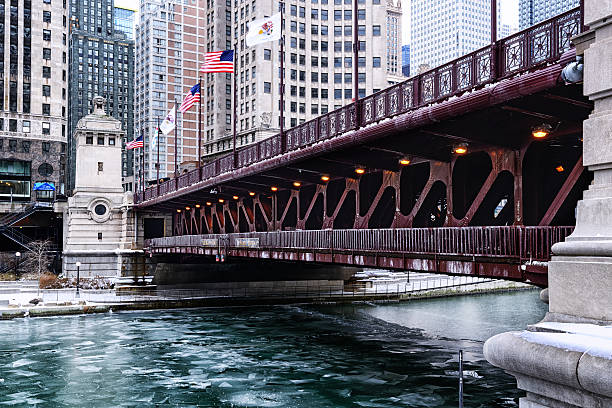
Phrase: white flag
{"type": "Point", "coordinates": [154, 138]}
{"type": "Point", "coordinates": [167, 125]}
{"type": "Point", "coordinates": [264, 30]}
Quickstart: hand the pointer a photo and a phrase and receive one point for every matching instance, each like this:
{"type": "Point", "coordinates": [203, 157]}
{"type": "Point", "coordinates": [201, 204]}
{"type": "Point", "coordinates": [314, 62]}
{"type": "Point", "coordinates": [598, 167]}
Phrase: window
{"type": "Point", "coordinates": [100, 140]}
{"type": "Point", "coordinates": [302, 44]}
{"type": "Point", "coordinates": [293, 26]}
{"type": "Point", "coordinates": [362, 77]}
{"type": "Point", "coordinates": [361, 30]}
{"type": "Point", "coordinates": [348, 93]}
{"type": "Point", "coordinates": [314, 109]}
{"type": "Point", "coordinates": [314, 45]}
{"type": "Point", "coordinates": [348, 77]}
{"type": "Point", "coordinates": [337, 15]}
{"type": "Point", "coordinates": [314, 92]}
{"type": "Point", "coordinates": [324, 93]}
{"type": "Point", "coordinates": [46, 16]}
{"type": "Point", "coordinates": [337, 78]}
{"type": "Point", "coordinates": [324, 15]}
{"type": "Point", "coordinates": [46, 72]}
{"type": "Point", "coordinates": [45, 170]}
{"type": "Point", "coordinates": [293, 106]}
{"type": "Point", "coordinates": [46, 147]}
{"type": "Point", "coordinates": [362, 62]}
{"type": "Point", "coordinates": [267, 87]}
{"type": "Point", "coordinates": [46, 35]}
{"type": "Point", "coordinates": [302, 108]}
{"type": "Point", "coordinates": [314, 61]}
{"type": "Point", "coordinates": [314, 77]}
{"type": "Point", "coordinates": [293, 10]}
{"type": "Point", "coordinates": [361, 14]}
{"type": "Point", "coordinates": [47, 53]}
{"type": "Point", "coordinates": [314, 29]}
{"type": "Point", "coordinates": [267, 54]}
{"type": "Point", "coordinates": [376, 62]}
{"type": "Point", "coordinates": [46, 90]}
{"type": "Point", "coordinates": [293, 42]}
{"type": "Point", "coordinates": [337, 93]}
{"type": "Point", "coordinates": [362, 45]}
{"type": "Point", "coordinates": [25, 145]}
{"type": "Point", "coordinates": [89, 140]}
{"type": "Point", "coordinates": [337, 46]}
{"type": "Point", "coordinates": [376, 31]}
{"type": "Point", "coordinates": [324, 77]}
{"type": "Point", "coordinates": [111, 140]}
{"type": "Point", "coordinates": [46, 128]}
{"type": "Point", "coordinates": [302, 12]}
{"type": "Point", "coordinates": [100, 166]}
{"type": "Point", "coordinates": [25, 127]}
{"type": "Point", "coordinates": [12, 125]}
{"type": "Point", "coordinates": [348, 14]}
{"type": "Point", "coordinates": [46, 109]}
{"type": "Point", "coordinates": [348, 30]}
{"type": "Point", "coordinates": [337, 31]}
{"type": "Point", "coordinates": [348, 62]}
{"type": "Point", "coordinates": [348, 46]}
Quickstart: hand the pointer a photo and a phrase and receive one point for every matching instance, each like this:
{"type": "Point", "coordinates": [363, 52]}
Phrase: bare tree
{"type": "Point", "coordinates": [38, 258]}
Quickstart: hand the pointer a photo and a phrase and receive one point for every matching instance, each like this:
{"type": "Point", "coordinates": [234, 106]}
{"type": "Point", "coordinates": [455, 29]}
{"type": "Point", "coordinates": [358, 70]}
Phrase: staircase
{"type": "Point", "coordinates": [8, 221]}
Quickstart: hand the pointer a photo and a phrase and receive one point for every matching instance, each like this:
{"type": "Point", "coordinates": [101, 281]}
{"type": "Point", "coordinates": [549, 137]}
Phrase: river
{"type": "Point", "coordinates": [360, 355]}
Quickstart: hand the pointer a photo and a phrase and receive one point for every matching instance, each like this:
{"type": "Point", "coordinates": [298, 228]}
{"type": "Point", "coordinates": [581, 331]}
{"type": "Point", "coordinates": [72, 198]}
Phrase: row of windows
{"type": "Point", "coordinates": [25, 147]}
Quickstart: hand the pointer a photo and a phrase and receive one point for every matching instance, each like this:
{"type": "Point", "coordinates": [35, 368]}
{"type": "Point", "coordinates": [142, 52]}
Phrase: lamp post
{"type": "Point", "coordinates": [78, 265]}
{"type": "Point", "coordinates": [17, 256]}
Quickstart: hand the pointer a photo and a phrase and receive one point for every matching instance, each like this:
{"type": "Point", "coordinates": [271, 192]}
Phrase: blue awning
{"type": "Point", "coordinates": [44, 187]}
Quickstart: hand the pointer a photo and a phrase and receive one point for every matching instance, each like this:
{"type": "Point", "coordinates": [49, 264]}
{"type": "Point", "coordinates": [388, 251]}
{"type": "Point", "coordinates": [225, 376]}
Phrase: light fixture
{"type": "Point", "coordinates": [197, 206]}
{"type": "Point", "coordinates": [325, 178]}
{"type": "Point", "coordinates": [235, 197]}
{"type": "Point", "coordinates": [208, 203]}
{"type": "Point", "coordinates": [360, 170]}
{"type": "Point", "coordinates": [541, 131]}
{"type": "Point", "coordinates": [559, 169]}
{"type": "Point", "coordinates": [188, 208]}
{"type": "Point", "coordinates": [274, 188]}
{"type": "Point", "coordinates": [296, 184]}
{"type": "Point", "coordinates": [404, 161]}
{"type": "Point", "coordinates": [178, 211]}
{"type": "Point", "coordinates": [460, 148]}
{"type": "Point", "coordinates": [221, 200]}
{"type": "Point", "coordinates": [252, 193]}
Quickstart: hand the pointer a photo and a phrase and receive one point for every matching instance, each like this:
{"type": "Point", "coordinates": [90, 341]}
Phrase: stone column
{"type": "Point", "coordinates": [580, 274]}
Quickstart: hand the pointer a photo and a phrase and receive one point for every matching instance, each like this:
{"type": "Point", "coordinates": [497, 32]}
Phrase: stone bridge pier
{"type": "Point", "coordinates": [566, 360]}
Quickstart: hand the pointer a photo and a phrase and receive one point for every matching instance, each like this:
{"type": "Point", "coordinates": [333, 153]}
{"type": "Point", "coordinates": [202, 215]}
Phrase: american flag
{"type": "Point", "coordinates": [218, 61]}
{"type": "Point", "coordinates": [135, 143]}
{"type": "Point", "coordinates": [192, 97]}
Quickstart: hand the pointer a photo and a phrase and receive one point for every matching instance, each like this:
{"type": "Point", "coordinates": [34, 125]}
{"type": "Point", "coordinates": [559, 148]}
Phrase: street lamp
{"type": "Point", "coordinates": [78, 265]}
{"type": "Point", "coordinates": [17, 256]}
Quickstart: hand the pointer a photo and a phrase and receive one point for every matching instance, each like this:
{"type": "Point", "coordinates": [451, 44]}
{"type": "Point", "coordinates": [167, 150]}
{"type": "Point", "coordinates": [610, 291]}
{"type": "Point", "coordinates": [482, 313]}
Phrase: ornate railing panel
{"type": "Point", "coordinates": [538, 45]}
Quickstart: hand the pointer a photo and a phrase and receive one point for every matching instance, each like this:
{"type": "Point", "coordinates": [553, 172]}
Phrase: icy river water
{"type": "Point", "coordinates": [360, 355]}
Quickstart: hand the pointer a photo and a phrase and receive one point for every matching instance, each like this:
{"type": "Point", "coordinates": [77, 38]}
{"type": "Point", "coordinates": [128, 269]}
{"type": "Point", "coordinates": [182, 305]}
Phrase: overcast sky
{"type": "Point", "coordinates": [509, 10]}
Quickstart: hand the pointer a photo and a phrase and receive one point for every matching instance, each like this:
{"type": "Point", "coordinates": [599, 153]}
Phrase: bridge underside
{"type": "Point", "coordinates": [507, 178]}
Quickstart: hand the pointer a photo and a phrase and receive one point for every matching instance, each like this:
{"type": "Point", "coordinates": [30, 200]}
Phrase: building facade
{"type": "Point", "coordinates": [172, 38]}
{"type": "Point", "coordinates": [101, 56]}
{"type": "Point", "coordinates": [533, 11]}
{"type": "Point", "coordinates": [318, 61]}
{"type": "Point", "coordinates": [406, 60]}
{"type": "Point", "coordinates": [33, 95]}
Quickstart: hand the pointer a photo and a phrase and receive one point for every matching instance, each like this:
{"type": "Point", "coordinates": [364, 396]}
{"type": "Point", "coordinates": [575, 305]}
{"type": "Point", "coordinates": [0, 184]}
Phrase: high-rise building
{"type": "Point", "coordinates": [124, 22]}
{"type": "Point", "coordinates": [533, 11]}
{"type": "Point", "coordinates": [318, 61]}
{"type": "Point", "coordinates": [33, 93]}
{"type": "Point", "coordinates": [406, 60]}
{"type": "Point", "coordinates": [101, 63]}
{"type": "Point", "coordinates": [172, 38]}
{"type": "Point", "coordinates": [443, 30]}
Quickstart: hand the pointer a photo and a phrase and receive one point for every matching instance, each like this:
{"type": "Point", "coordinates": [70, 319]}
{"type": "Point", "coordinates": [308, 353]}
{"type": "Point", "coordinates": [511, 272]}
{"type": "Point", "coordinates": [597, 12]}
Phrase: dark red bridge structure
{"type": "Point", "coordinates": [384, 182]}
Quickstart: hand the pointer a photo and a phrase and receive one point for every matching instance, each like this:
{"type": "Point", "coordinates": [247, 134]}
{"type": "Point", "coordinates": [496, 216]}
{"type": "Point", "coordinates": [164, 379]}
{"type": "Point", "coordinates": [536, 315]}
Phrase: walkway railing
{"type": "Point", "coordinates": [515, 243]}
{"type": "Point", "coordinates": [536, 46]}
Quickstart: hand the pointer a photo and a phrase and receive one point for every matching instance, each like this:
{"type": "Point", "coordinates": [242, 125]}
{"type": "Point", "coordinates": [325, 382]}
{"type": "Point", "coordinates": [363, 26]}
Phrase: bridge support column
{"type": "Point", "coordinates": [566, 360]}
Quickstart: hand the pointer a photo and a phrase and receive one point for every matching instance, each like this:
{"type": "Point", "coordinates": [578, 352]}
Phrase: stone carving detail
{"type": "Point", "coordinates": [99, 104]}
{"type": "Point", "coordinates": [266, 119]}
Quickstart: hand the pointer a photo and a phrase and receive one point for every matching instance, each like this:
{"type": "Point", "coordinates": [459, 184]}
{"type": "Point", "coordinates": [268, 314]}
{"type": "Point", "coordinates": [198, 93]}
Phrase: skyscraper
{"type": "Point", "coordinates": [406, 60]}
{"type": "Point", "coordinates": [533, 11]}
{"type": "Point", "coordinates": [318, 61]}
{"type": "Point", "coordinates": [172, 38]}
{"type": "Point", "coordinates": [101, 63]}
{"type": "Point", "coordinates": [33, 92]}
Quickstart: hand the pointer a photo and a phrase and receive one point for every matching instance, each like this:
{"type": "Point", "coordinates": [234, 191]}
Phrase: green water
{"type": "Point", "coordinates": [364, 355]}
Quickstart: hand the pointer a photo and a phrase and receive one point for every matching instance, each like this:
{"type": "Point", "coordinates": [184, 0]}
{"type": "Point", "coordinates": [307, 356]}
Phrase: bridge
{"type": "Point", "coordinates": [474, 167]}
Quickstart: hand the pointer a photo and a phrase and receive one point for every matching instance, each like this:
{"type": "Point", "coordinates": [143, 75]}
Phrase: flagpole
{"type": "Point", "coordinates": [176, 172]}
{"type": "Point", "coordinates": [282, 81]}
{"type": "Point", "coordinates": [200, 125]}
{"type": "Point", "coordinates": [235, 103]}
{"type": "Point", "coordinates": [143, 163]}
{"type": "Point", "coordinates": [157, 164]}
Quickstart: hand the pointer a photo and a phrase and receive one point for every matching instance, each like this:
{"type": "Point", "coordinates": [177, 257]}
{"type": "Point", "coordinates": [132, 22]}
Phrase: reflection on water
{"type": "Point", "coordinates": [393, 355]}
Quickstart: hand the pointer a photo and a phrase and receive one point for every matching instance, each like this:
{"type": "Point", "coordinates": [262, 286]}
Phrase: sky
{"type": "Point", "coordinates": [509, 11]}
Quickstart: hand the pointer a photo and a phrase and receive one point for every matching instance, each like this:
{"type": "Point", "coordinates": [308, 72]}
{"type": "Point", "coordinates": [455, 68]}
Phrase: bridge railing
{"type": "Point", "coordinates": [535, 46]}
{"type": "Point", "coordinates": [513, 242]}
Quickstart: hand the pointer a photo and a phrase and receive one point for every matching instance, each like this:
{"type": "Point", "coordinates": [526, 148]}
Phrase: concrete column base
{"type": "Point", "coordinates": [559, 365]}
{"type": "Point", "coordinates": [106, 264]}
